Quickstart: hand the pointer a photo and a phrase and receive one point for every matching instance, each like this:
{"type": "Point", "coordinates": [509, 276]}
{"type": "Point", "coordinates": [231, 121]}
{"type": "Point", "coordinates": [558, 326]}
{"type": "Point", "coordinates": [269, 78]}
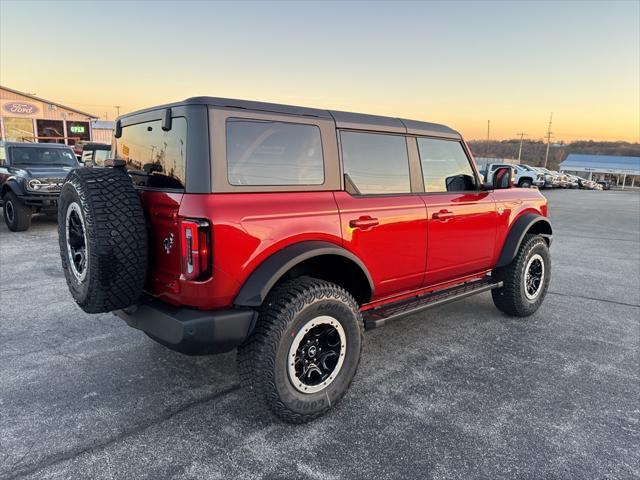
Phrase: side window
{"type": "Point", "coordinates": [263, 153]}
{"type": "Point", "coordinates": [445, 166]}
{"type": "Point", "coordinates": [376, 163]}
{"type": "Point", "coordinates": [155, 158]}
{"type": "Point", "coordinates": [3, 156]}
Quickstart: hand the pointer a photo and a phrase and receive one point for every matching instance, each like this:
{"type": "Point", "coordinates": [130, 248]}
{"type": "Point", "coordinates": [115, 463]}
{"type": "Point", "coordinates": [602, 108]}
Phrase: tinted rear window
{"type": "Point", "coordinates": [273, 153]}
{"type": "Point", "coordinates": [155, 158]}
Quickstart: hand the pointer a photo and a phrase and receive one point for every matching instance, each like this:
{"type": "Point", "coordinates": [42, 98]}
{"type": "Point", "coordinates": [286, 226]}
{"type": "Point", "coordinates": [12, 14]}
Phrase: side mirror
{"type": "Point", "coordinates": [502, 178]}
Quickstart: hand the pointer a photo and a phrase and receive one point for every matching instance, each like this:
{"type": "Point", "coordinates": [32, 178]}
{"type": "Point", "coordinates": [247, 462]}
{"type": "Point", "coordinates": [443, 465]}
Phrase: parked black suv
{"type": "Point", "coordinates": [31, 176]}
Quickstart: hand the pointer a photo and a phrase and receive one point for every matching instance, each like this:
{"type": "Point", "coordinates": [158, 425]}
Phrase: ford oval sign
{"type": "Point", "coordinates": [20, 108]}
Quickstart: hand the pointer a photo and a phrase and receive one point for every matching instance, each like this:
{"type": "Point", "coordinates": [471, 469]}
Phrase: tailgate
{"type": "Point", "coordinates": [161, 212]}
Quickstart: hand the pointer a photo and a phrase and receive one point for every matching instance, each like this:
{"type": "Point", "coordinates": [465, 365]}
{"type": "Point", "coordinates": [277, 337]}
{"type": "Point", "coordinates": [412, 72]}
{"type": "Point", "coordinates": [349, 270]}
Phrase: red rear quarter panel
{"type": "Point", "coordinates": [247, 228]}
{"type": "Point", "coordinates": [514, 203]}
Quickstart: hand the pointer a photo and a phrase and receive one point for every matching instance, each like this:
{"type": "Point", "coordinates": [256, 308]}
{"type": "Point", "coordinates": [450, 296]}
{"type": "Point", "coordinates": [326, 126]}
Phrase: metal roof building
{"type": "Point", "coordinates": [27, 118]}
{"type": "Point", "coordinates": [602, 166]}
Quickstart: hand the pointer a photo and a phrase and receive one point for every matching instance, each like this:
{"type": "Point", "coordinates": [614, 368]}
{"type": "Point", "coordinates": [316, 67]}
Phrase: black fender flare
{"type": "Point", "coordinates": [264, 277]}
{"type": "Point", "coordinates": [523, 225]}
{"type": "Point", "coordinates": [13, 185]}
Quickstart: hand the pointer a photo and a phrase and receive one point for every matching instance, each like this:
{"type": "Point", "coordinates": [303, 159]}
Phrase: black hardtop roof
{"type": "Point", "coordinates": [33, 144]}
{"type": "Point", "coordinates": [360, 121]}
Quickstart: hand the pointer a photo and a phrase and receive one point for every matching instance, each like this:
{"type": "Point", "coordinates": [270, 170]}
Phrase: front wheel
{"type": "Point", "coordinates": [525, 183]}
{"type": "Point", "coordinates": [525, 280]}
{"type": "Point", "coordinates": [17, 215]}
{"type": "Point", "coordinates": [305, 350]}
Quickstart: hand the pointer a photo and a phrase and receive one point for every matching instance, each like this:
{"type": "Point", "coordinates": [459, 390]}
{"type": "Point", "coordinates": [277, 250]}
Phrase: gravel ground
{"type": "Point", "coordinates": [458, 392]}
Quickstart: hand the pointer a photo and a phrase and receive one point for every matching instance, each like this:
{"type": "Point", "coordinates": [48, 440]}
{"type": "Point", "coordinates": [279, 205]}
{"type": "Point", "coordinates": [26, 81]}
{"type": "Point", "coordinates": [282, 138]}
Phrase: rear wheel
{"type": "Point", "coordinates": [525, 279]}
{"type": "Point", "coordinates": [305, 350]}
{"type": "Point", "coordinates": [17, 215]}
{"type": "Point", "coordinates": [103, 239]}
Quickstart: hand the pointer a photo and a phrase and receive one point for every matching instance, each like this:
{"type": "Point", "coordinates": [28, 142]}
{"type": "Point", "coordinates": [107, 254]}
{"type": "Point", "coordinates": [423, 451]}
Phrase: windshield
{"type": "Point", "coordinates": [43, 156]}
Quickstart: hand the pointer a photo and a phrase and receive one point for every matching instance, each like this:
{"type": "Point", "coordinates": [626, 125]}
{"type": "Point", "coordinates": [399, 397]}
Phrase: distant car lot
{"type": "Point", "coordinates": [460, 391]}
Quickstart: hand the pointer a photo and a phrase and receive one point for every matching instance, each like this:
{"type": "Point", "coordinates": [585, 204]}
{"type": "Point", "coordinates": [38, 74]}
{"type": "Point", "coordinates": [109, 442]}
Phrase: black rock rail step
{"type": "Point", "coordinates": [379, 316]}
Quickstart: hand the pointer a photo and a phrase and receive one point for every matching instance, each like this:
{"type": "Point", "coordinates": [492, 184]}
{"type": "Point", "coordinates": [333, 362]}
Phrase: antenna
{"type": "Point", "coordinates": [546, 155]}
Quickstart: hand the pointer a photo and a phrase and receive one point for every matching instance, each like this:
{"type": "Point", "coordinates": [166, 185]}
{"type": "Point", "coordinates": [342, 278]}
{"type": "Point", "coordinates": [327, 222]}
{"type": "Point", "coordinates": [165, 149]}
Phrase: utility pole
{"type": "Point", "coordinates": [522, 134]}
{"type": "Point", "coordinates": [546, 155]}
{"type": "Point", "coordinates": [488, 135]}
{"type": "Point", "coordinates": [117, 107]}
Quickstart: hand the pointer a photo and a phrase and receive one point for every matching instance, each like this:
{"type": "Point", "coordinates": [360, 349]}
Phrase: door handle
{"type": "Point", "coordinates": [364, 222]}
{"type": "Point", "coordinates": [443, 215]}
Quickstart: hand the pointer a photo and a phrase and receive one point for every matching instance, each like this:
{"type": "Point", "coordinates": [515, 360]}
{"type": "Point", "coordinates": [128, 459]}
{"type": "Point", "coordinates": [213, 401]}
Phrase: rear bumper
{"type": "Point", "coordinates": [188, 330]}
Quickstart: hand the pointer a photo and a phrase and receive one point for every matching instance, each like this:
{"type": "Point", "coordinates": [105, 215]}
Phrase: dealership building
{"type": "Point", "coordinates": [27, 118]}
{"type": "Point", "coordinates": [622, 170]}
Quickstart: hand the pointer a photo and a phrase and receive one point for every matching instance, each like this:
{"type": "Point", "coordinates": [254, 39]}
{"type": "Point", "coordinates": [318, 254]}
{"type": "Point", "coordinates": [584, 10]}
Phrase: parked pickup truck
{"type": "Point", "coordinates": [286, 231]}
{"type": "Point", "coordinates": [525, 176]}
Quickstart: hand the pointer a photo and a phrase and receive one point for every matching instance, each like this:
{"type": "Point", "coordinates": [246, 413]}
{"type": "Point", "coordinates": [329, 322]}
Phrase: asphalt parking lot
{"type": "Point", "coordinates": [458, 392]}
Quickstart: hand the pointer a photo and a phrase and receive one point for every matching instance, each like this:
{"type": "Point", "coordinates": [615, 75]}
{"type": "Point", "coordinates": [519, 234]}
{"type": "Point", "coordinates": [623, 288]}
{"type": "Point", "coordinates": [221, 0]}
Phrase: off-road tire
{"type": "Point", "coordinates": [263, 358]}
{"type": "Point", "coordinates": [511, 298]}
{"type": "Point", "coordinates": [22, 213]}
{"type": "Point", "coordinates": [116, 238]}
{"type": "Point", "coordinates": [525, 183]}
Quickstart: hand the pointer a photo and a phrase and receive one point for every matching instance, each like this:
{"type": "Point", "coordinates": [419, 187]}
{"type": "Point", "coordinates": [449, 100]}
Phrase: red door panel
{"type": "Point", "coordinates": [462, 232]}
{"type": "Point", "coordinates": [389, 234]}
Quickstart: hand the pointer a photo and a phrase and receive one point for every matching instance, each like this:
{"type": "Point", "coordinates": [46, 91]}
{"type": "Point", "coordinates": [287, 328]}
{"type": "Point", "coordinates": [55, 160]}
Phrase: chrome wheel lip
{"type": "Point", "coordinates": [9, 211]}
{"type": "Point", "coordinates": [295, 344]}
{"type": "Point", "coordinates": [535, 277]}
{"type": "Point", "coordinates": [80, 275]}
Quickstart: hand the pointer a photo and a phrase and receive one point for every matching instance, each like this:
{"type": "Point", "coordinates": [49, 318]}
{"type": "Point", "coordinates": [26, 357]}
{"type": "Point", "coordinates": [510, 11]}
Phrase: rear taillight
{"type": "Point", "coordinates": [195, 239]}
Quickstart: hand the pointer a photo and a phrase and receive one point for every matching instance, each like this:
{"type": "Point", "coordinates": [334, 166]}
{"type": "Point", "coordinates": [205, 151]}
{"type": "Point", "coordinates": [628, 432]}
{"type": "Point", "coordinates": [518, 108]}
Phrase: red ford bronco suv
{"type": "Point", "coordinates": [286, 231]}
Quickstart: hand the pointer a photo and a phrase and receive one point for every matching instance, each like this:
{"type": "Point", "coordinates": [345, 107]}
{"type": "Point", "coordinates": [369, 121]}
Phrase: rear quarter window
{"type": "Point", "coordinates": [264, 153]}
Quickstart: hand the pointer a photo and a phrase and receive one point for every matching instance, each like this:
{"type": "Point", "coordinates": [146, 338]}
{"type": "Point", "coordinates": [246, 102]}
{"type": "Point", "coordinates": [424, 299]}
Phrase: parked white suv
{"type": "Point", "coordinates": [525, 176]}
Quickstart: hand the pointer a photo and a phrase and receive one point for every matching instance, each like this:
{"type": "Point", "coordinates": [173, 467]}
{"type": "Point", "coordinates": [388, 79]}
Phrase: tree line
{"type": "Point", "coordinates": [533, 151]}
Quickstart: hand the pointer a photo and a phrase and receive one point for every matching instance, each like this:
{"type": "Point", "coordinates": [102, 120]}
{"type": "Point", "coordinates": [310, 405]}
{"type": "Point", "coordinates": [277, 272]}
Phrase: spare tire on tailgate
{"type": "Point", "coordinates": [103, 239]}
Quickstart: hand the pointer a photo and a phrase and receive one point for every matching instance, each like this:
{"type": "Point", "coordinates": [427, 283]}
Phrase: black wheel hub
{"type": "Point", "coordinates": [9, 211]}
{"type": "Point", "coordinates": [534, 277]}
{"type": "Point", "coordinates": [76, 241]}
{"type": "Point", "coordinates": [317, 355]}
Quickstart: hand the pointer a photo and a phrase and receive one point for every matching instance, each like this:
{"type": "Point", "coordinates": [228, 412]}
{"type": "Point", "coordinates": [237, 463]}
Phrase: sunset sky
{"type": "Point", "coordinates": [458, 63]}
